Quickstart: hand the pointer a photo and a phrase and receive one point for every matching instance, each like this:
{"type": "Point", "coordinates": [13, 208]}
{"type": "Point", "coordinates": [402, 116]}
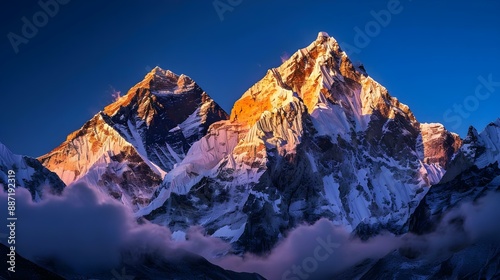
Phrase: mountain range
{"type": "Point", "coordinates": [315, 138]}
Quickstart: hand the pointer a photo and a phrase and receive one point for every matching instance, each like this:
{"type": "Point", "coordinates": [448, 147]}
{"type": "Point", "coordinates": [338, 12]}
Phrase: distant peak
{"type": "Point", "coordinates": [472, 135]}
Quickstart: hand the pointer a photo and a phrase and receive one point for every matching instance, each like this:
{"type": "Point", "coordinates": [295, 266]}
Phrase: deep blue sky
{"type": "Point", "coordinates": [430, 55]}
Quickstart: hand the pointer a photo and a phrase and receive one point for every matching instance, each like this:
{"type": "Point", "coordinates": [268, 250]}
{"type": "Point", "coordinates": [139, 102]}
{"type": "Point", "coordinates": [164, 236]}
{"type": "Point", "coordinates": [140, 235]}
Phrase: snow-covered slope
{"type": "Point", "coordinates": [474, 172]}
{"type": "Point", "coordinates": [316, 137]}
{"type": "Point", "coordinates": [29, 173]}
{"type": "Point", "coordinates": [455, 223]}
{"type": "Point", "coordinates": [127, 148]}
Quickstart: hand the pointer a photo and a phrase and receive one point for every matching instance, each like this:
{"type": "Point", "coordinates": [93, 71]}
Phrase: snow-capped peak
{"type": "Point", "coordinates": [329, 85]}
{"type": "Point", "coordinates": [315, 137]}
{"type": "Point", "coordinates": [145, 133]}
{"type": "Point", "coordinates": [162, 81]}
{"type": "Point", "coordinates": [160, 72]}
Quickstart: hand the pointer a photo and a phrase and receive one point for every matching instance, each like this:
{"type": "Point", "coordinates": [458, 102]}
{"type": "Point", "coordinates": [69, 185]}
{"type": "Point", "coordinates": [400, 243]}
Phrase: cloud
{"type": "Point", "coordinates": [481, 217]}
{"type": "Point", "coordinates": [115, 94]}
{"type": "Point", "coordinates": [84, 231]}
{"type": "Point", "coordinates": [303, 256]}
{"type": "Point", "coordinates": [312, 252]}
{"type": "Point", "coordinates": [77, 229]}
{"type": "Point", "coordinates": [284, 57]}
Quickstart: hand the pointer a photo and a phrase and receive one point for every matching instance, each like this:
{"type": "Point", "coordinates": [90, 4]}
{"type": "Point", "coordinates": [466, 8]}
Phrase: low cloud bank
{"type": "Point", "coordinates": [322, 250]}
{"type": "Point", "coordinates": [84, 231]}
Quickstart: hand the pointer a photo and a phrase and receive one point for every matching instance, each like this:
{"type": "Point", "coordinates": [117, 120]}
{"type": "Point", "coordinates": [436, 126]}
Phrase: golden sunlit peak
{"type": "Point", "coordinates": [158, 75]}
{"type": "Point", "coordinates": [158, 71]}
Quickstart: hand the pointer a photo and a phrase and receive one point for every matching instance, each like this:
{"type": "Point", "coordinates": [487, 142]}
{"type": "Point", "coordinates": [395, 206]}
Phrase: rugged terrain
{"type": "Point", "coordinates": [316, 137]}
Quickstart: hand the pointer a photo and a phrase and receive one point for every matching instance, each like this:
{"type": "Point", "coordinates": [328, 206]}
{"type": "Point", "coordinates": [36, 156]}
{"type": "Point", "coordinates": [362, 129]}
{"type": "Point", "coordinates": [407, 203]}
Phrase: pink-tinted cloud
{"type": "Point", "coordinates": [84, 230]}
{"type": "Point", "coordinates": [284, 57]}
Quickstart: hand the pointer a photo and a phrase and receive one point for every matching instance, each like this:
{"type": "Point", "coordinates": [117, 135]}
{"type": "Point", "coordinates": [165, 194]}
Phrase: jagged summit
{"type": "Point", "coordinates": [320, 74]}
{"type": "Point", "coordinates": [315, 137]}
{"type": "Point", "coordinates": [158, 73]}
{"type": "Point", "coordinates": [166, 81]}
{"type": "Point", "coordinates": [157, 82]}
{"type": "Point", "coordinates": [472, 134]}
{"type": "Point", "coordinates": [129, 146]}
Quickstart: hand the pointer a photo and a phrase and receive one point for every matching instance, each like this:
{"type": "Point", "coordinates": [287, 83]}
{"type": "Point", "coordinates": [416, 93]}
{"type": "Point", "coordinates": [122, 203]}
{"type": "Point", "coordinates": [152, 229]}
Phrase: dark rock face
{"type": "Point", "coordinates": [120, 179]}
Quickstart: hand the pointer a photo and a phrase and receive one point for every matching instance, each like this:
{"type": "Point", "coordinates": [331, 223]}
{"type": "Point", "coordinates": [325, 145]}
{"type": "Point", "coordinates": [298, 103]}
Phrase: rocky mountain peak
{"type": "Point", "coordinates": [127, 148]}
{"type": "Point", "coordinates": [327, 82]}
{"type": "Point", "coordinates": [166, 81]}
{"type": "Point", "coordinates": [315, 137]}
{"type": "Point", "coordinates": [157, 85]}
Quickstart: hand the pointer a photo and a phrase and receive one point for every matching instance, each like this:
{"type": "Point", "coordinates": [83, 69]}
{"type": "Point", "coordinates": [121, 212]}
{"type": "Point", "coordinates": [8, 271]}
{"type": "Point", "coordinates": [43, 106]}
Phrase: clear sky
{"type": "Point", "coordinates": [430, 55]}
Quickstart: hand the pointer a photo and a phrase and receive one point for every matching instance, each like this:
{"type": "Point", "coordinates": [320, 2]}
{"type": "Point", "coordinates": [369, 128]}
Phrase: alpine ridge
{"type": "Point", "coordinates": [316, 141]}
{"type": "Point", "coordinates": [316, 137]}
{"type": "Point", "coordinates": [469, 188]}
{"type": "Point", "coordinates": [127, 148]}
